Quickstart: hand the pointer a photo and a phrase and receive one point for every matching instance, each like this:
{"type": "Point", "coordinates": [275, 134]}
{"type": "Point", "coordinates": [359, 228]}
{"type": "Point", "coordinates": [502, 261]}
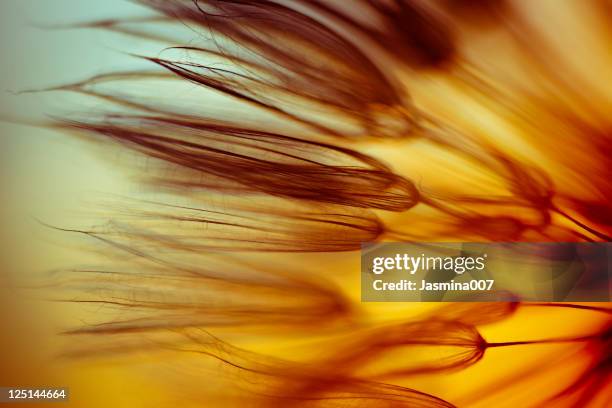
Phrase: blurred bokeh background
{"type": "Point", "coordinates": [47, 176]}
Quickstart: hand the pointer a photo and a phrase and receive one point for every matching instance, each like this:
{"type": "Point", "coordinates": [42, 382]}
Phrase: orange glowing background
{"type": "Point", "coordinates": [187, 185]}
